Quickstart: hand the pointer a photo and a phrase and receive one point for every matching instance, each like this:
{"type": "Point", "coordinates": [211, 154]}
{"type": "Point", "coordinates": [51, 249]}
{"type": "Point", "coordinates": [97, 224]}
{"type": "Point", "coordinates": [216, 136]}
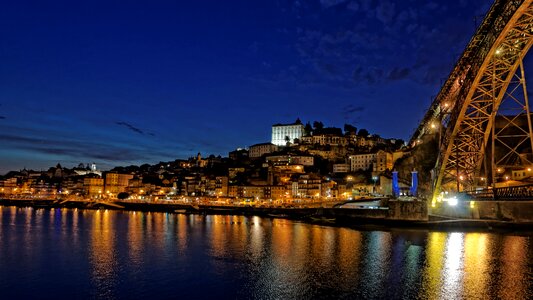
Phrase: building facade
{"type": "Point", "coordinates": [291, 160]}
{"type": "Point", "coordinates": [384, 161]}
{"type": "Point", "coordinates": [280, 133]}
{"type": "Point", "coordinates": [116, 183]}
{"type": "Point", "coordinates": [362, 161]}
{"type": "Point", "coordinates": [258, 150]}
{"type": "Point", "coordinates": [341, 168]}
{"type": "Point", "coordinates": [93, 186]}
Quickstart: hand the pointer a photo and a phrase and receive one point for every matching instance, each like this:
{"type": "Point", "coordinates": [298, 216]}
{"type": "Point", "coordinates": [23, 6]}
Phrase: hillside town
{"type": "Point", "coordinates": [302, 163]}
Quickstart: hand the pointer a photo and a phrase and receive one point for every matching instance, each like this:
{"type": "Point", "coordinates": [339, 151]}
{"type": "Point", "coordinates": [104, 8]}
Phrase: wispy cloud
{"type": "Point", "coordinates": [70, 147]}
{"type": "Point", "coordinates": [398, 73]}
{"type": "Point", "coordinates": [353, 109]}
{"type": "Point", "coordinates": [133, 128]}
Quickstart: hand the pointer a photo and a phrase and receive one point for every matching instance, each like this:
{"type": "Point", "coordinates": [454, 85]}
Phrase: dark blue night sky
{"type": "Point", "coordinates": [129, 82]}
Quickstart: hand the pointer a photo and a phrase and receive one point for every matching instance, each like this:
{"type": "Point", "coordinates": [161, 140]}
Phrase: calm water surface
{"type": "Point", "coordinates": [68, 254]}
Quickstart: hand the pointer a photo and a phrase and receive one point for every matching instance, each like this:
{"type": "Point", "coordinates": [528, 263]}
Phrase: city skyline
{"type": "Point", "coordinates": [127, 84]}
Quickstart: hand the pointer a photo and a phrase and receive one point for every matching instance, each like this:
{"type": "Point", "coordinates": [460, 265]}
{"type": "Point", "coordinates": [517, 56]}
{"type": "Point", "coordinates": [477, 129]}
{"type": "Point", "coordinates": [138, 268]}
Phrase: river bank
{"type": "Point", "coordinates": [344, 217]}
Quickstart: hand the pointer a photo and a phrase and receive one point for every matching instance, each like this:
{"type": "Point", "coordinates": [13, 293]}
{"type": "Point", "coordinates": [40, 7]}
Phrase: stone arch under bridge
{"type": "Point", "coordinates": [475, 134]}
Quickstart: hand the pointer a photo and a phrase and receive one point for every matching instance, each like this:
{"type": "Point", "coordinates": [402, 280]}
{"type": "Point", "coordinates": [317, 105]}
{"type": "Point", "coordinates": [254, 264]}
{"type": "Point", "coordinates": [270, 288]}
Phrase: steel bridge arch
{"type": "Point", "coordinates": [464, 111]}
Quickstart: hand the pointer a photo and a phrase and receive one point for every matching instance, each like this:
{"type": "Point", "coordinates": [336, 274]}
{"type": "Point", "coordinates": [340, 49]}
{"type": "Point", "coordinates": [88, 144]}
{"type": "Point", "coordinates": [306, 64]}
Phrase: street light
{"type": "Point", "coordinates": [375, 179]}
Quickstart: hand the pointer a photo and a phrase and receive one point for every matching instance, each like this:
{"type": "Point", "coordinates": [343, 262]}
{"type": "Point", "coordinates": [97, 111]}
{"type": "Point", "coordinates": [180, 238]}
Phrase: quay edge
{"type": "Point", "coordinates": [400, 214]}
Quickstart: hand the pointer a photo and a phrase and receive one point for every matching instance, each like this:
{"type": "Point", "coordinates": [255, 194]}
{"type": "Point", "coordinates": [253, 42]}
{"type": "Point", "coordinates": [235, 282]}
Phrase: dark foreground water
{"type": "Point", "coordinates": [69, 254]}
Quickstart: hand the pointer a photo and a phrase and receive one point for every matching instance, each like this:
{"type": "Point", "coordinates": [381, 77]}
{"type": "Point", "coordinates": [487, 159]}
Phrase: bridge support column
{"type": "Point", "coordinates": [395, 185]}
{"type": "Point", "coordinates": [414, 183]}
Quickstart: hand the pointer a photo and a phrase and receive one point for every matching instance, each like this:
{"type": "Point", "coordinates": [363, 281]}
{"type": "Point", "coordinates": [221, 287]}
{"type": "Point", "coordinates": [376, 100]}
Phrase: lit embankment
{"type": "Point", "coordinates": [511, 211]}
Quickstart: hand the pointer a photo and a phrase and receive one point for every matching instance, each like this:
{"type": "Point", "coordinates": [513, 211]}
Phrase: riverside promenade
{"type": "Point", "coordinates": [389, 214]}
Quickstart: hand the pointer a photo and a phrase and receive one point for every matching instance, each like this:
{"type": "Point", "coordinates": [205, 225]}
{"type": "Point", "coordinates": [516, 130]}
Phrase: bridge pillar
{"type": "Point", "coordinates": [395, 185]}
{"type": "Point", "coordinates": [414, 183]}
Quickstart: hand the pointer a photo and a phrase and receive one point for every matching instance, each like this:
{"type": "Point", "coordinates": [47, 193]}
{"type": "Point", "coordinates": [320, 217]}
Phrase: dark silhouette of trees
{"type": "Point", "coordinates": [350, 129]}
{"type": "Point", "coordinates": [308, 129]}
{"type": "Point", "coordinates": [318, 125]}
{"type": "Point", "coordinates": [363, 132]}
{"type": "Point", "coordinates": [123, 195]}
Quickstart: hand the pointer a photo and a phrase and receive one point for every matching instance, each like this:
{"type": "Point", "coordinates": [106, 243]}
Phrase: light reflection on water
{"type": "Point", "coordinates": [102, 255]}
{"type": "Point", "coordinates": [113, 254]}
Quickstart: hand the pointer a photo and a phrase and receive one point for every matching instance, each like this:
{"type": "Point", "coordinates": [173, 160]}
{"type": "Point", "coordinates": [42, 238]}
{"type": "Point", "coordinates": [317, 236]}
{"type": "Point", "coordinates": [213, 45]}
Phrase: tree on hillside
{"type": "Point", "coordinates": [318, 125]}
{"type": "Point", "coordinates": [363, 132]}
{"type": "Point", "coordinates": [350, 129]}
{"type": "Point", "coordinates": [308, 129]}
{"type": "Point", "coordinates": [123, 195]}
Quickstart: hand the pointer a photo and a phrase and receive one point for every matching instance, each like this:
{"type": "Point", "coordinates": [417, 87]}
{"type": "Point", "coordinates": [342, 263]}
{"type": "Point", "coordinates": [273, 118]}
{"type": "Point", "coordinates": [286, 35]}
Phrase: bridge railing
{"type": "Point", "coordinates": [511, 193]}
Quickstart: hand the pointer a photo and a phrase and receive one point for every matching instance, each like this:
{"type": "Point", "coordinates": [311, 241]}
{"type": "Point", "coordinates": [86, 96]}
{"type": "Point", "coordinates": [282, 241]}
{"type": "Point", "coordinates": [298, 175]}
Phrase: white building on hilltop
{"type": "Point", "coordinates": [280, 132]}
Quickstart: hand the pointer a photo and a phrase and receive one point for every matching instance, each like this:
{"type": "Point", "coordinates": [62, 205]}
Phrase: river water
{"type": "Point", "coordinates": [104, 254]}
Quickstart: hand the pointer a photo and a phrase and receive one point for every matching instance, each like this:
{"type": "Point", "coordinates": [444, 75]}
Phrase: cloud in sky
{"type": "Point", "coordinates": [133, 128]}
{"type": "Point", "coordinates": [353, 109]}
{"type": "Point", "coordinates": [130, 127]}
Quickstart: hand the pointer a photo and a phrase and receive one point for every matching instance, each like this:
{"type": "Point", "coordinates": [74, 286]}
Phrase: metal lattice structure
{"type": "Point", "coordinates": [465, 111]}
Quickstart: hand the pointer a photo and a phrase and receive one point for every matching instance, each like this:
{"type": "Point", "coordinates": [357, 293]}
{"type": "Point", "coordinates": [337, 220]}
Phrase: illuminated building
{"type": "Point", "coordinates": [362, 161]}
{"type": "Point", "coordinates": [116, 183]}
{"type": "Point", "coordinates": [8, 186]}
{"type": "Point", "coordinates": [90, 169]}
{"type": "Point", "coordinates": [291, 159]}
{"type": "Point", "coordinates": [384, 161]}
{"type": "Point", "coordinates": [341, 168]}
{"type": "Point", "coordinates": [247, 191]}
{"type": "Point", "coordinates": [221, 186]}
{"type": "Point", "coordinates": [326, 136]}
{"type": "Point", "coordinates": [274, 191]}
{"type": "Point", "coordinates": [307, 186]}
{"type": "Point", "coordinates": [521, 174]}
{"type": "Point", "coordinates": [93, 186]}
{"type": "Point", "coordinates": [258, 150]}
{"type": "Point", "coordinates": [287, 133]}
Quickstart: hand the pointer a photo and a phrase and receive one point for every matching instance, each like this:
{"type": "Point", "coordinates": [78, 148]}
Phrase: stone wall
{"type": "Point", "coordinates": [408, 210]}
{"type": "Point", "coordinates": [515, 211]}
{"type": "Point", "coordinates": [397, 210]}
{"type": "Point", "coordinates": [357, 213]}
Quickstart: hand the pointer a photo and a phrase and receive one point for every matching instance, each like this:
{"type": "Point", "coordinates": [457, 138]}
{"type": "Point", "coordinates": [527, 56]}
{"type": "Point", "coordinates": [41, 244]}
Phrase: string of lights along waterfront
{"type": "Point", "coordinates": [104, 254]}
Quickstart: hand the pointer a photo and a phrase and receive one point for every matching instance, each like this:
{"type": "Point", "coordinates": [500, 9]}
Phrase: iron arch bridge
{"type": "Point", "coordinates": [481, 116]}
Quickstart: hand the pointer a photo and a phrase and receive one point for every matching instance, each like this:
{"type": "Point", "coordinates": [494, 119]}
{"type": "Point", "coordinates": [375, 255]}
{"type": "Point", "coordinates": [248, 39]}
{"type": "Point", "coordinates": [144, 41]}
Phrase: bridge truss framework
{"type": "Point", "coordinates": [489, 73]}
